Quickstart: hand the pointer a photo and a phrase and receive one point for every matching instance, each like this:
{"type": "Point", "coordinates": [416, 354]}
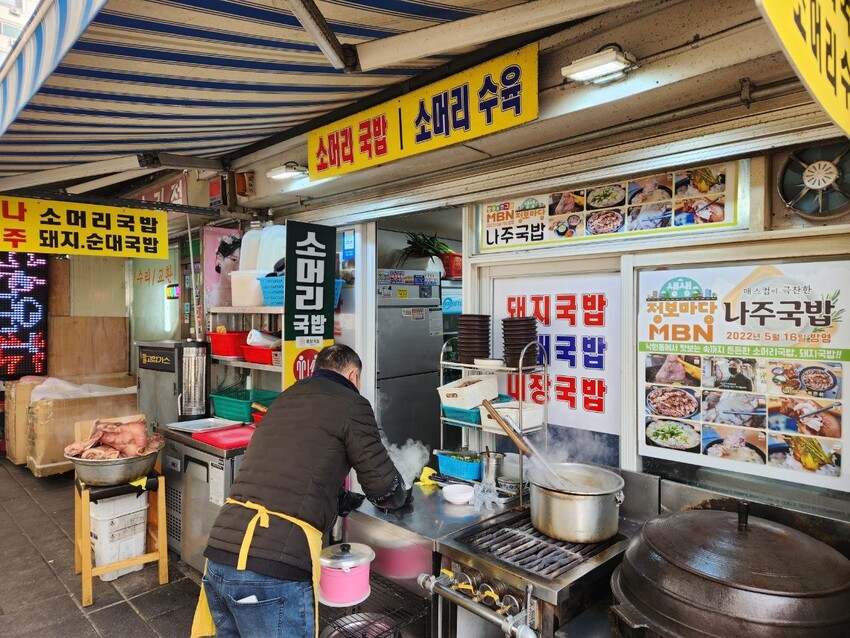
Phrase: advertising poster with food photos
{"type": "Point", "coordinates": [742, 368]}
{"type": "Point", "coordinates": [578, 326]}
{"type": "Point", "coordinates": [695, 199]}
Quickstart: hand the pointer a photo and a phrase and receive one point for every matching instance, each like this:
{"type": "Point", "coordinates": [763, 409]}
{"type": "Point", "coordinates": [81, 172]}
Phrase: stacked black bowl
{"type": "Point", "coordinates": [473, 337]}
{"type": "Point", "coordinates": [518, 332]}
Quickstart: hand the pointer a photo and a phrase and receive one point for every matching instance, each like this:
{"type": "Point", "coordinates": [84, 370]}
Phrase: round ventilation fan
{"type": "Point", "coordinates": [814, 182]}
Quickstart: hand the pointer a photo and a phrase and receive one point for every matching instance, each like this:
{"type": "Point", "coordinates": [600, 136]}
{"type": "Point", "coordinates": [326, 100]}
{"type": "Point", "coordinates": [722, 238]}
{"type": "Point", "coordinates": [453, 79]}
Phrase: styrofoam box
{"type": "Point", "coordinates": [245, 288]}
{"type": "Point", "coordinates": [118, 530]}
{"type": "Point", "coordinates": [532, 416]}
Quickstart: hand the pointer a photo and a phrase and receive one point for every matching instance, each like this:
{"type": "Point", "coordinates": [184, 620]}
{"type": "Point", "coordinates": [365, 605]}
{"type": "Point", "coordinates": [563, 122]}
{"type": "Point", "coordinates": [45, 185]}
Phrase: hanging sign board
{"type": "Point", "coordinates": [815, 36]}
{"type": "Point", "coordinates": [308, 297]}
{"type": "Point", "coordinates": [23, 315]}
{"type": "Point", "coordinates": [697, 200]}
{"type": "Point", "coordinates": [68, 228]}
{"type": "Point", "coordinates": [578, 325]}
{"type": "Point", "coordinates": [732, 360]}
{"type": "Point", "coordinates": [493, 96]}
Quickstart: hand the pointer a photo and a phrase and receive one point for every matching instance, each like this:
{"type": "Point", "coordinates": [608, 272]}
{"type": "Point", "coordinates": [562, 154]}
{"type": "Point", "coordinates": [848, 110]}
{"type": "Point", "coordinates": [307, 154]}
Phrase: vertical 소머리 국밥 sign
{"type": "Point", "coordinates": [732, 361]}
{"type": "Point", "coordinates": [490, 97]}
{"type": "Point", "coordinates": [308, 297]}
{"type": "Point", "coordinates": [68, 228]}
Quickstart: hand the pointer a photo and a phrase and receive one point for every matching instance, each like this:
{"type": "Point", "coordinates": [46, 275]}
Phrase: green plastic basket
{"type": "Point", "coordinates": [236, 405]}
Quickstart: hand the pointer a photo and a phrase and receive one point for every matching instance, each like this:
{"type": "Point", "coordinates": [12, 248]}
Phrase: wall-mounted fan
{"type": "Point", "coordinates": [814, 182]}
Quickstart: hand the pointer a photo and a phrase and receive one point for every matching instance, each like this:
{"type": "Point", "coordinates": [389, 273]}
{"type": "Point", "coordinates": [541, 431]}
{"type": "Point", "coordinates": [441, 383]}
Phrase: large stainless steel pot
{"type": "Point", "coordinates": [590, 514]}
{"type": "Point", "coordinates": [710, 573]}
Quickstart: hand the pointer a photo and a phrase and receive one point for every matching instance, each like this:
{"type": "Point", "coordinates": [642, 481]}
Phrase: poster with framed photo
{"type": "Point", "coordinates": [749, 359]}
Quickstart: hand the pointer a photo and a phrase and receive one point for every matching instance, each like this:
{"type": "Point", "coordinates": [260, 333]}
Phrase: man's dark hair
{"type": "Point", "coordinates": [338, 358]}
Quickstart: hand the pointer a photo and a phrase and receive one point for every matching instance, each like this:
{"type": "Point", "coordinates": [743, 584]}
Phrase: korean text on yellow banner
{"type": "Point", "coordinates": [493, 96]}
{"type": "Point", "coordinates": [69, 228]}
{"type": "Point", "coordinates": [815, 35]}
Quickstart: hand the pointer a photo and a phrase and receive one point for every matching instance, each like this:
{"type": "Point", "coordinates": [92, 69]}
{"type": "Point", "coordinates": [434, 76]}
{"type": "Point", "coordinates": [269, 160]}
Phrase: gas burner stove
{"type": "Point", "coordinates": [519, 544]}
{"type": "Point", "coordinates": [508, 549]}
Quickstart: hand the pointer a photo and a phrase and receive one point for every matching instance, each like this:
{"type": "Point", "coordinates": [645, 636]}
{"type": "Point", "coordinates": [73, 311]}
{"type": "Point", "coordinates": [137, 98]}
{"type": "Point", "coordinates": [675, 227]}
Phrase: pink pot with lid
{"type": "Point", "coordinates": [345, 574]}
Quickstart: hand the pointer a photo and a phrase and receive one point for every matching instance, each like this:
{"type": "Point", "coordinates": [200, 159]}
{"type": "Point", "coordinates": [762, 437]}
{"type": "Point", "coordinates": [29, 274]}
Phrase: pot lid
{"type": "Point", "coordinates": [748, 553]}
{"type": "Point", "coordinates": [346, 555]}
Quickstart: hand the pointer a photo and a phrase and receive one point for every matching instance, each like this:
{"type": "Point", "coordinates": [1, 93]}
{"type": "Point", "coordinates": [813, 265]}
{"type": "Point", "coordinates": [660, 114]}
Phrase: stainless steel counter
{"type": "Point", "coordinates": [432, 517]}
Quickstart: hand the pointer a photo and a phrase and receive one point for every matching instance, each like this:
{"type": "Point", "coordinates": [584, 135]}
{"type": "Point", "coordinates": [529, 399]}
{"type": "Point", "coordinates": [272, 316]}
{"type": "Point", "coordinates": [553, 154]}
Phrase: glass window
{"type": "Point", "coordinates": [10, 30]}
{"type": "Point", "coordinates": [13, 4]}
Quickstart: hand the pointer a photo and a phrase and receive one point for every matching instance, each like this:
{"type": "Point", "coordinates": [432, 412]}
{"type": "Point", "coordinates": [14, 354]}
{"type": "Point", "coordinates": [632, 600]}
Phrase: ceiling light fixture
{"type": "Point", "coordinates": [608, 64]}
{"type": "Point", "coordinates": [287, 171]}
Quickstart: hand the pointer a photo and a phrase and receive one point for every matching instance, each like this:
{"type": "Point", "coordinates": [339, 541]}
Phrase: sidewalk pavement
{"type": "Point", "coordinates": [39, 591]}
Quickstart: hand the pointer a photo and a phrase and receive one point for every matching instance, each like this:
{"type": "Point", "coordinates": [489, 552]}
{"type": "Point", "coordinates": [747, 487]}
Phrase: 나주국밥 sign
{"type": "Point", "coordinates": [815, 35]}
{"type": "Point", "coordinates": [735, 361]}
{"type": "Point", "coordinates": [487, 98]}
{"type": "Point", "coordinates": [68, 228]}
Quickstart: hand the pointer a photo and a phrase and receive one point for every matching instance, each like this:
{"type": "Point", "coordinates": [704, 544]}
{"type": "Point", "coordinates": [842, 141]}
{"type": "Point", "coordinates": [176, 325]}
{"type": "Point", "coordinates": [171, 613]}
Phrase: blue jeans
{"type": "Point", "coordinates": [283, 608]}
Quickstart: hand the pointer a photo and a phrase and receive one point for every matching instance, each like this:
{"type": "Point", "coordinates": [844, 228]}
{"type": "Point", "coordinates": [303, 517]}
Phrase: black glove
{"type": "Point", "coordinates": [405, 507]}
{"type": "Point", "coordinates": [347, 502]}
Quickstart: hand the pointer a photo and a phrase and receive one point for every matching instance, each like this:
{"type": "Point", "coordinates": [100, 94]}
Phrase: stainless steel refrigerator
{"type": "Point", "coordinates": [408, 341]}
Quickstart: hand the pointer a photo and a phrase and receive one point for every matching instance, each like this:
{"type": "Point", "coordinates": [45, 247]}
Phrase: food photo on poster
{"type": "Point", "coordinates": [749, 358]}
{"type": "Point", "coordinates": [578, 330]}
{"type": "Point", "coordinates": [695, 199]}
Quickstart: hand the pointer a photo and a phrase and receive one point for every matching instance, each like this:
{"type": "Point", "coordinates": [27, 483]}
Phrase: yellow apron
{"type": "Point", "coordinates": [203, 624]}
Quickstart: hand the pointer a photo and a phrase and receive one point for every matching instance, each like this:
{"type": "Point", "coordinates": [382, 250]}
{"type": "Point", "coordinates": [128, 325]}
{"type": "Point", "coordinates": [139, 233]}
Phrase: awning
{"type": "Point", "coordinates": [96, 79]}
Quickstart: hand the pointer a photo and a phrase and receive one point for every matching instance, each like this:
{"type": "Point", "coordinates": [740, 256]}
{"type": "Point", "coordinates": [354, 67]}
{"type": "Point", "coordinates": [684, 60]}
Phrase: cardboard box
{"type": "Point", "coordinates": [51, 427]}
{"type": "Point", "coordinates": [18, 399]}
{"type": "Point", "coordinates": [17, 429]}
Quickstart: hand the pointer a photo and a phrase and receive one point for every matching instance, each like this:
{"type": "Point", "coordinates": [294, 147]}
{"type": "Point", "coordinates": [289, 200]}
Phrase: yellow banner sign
{"type": "Point", "coordinates": [815, 35]}
{"type": "Point", "coordinates": [487, 98]}
{"type": "Point", "coordinates": [69, 228]}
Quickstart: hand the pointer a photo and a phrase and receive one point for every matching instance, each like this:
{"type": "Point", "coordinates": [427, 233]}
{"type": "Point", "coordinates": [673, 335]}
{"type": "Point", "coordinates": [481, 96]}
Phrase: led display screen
{"type": "Point", "coordinates": [23, 315]}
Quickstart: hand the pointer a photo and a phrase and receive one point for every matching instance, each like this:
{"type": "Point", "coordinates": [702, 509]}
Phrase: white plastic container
{"type": "Point", "coordinates": [250, 247]}
{"type": "Point", "coordinates": [245, 287]}
{"type": "Point", "coordinates": [118, 530]}
{"type": "Point", "coordinates": [272, 248]}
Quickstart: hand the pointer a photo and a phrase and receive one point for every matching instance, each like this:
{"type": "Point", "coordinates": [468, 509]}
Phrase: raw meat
{"type": "Point", "coordinates": [111, 440]}
{"type": "Point", "coordinates": [100, 453]}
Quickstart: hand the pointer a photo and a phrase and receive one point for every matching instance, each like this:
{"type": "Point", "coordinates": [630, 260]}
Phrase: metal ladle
{"type": "Point", "coordinates": [555, 480]}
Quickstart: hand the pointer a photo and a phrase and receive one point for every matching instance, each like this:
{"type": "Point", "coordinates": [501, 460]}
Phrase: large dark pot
{"type": "Point", "coordinates": [711, 573]}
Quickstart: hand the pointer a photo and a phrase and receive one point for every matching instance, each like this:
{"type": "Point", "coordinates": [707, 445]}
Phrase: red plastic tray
{"type": "Point", "coordinates": [227, 439]}
{"type": "Point", "coordinates": [227, 344]}
{"type": "Point", "coordinates": [256, 354]}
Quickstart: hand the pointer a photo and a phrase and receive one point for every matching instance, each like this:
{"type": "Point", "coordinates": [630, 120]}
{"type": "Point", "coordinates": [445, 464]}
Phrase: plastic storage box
{"type": "Point", "coordinates": [450, 466]}
{"type": "Point", "coordinates": [258, 354]}
{"type": "Point", "coordinates": [228, 344]}
{"type": "Point", "coordinates": [118, 530]}
{"type": "Point", "coordinates": [459, 414]}
{"type": "Point", "coordinates": [236, 404]}
{"type": "Point", "coordinates": [272, 288]}
{"type": "Point", "coordinates": [468, 393]}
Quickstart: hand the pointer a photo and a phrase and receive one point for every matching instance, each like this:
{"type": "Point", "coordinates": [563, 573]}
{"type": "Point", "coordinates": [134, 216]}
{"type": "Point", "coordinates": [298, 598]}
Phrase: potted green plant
{"type": "Point", "coordinates": [423, 251]}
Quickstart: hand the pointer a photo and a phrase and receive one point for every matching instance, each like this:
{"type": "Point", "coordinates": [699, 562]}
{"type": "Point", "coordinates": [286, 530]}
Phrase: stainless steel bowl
{"type": "Point", "coordinates": [113, 471]}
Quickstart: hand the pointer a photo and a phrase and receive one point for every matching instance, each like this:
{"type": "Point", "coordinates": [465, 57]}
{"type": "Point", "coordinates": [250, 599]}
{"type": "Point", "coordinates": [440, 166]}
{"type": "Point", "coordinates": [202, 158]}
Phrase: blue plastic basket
{"type": "Point", "coordinates": [473, 415]}
{"type": "Point", "coordinates": [273, 290]}
{"type": "Point", "coordinates": [469, 470]}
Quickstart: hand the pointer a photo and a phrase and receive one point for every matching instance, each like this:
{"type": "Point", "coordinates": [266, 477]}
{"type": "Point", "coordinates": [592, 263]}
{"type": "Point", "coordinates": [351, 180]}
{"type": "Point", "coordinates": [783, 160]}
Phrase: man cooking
{"type": "Point", "coordinates": [262, 569]}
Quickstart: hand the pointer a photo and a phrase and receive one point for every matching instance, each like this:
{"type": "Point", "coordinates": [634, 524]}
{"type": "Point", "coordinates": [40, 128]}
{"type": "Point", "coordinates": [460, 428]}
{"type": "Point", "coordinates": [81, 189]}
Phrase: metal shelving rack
{"type": "Point", "coordinates": [252, 316]}
{"type": "Point", "coordinates": [523, 371]}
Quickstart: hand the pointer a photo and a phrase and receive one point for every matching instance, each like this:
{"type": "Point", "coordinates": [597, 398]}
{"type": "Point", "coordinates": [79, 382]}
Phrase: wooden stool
{"type": "Point", "coordinates": [157, 547]}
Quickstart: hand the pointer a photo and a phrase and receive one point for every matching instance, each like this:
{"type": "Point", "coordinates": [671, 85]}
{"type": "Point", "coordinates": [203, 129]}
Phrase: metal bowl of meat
{"type": "Point", "coordinates": [101, 472]}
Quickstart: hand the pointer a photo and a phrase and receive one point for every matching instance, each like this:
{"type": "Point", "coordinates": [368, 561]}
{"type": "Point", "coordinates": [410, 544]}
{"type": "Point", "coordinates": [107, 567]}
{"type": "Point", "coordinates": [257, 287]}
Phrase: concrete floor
{"type": "Point", "coordinates": [39, 592]}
